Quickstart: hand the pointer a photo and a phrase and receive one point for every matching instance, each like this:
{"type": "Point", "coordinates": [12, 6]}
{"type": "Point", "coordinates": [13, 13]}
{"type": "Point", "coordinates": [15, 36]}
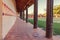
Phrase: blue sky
{"type": "Point", "coordinates": [42, 6]}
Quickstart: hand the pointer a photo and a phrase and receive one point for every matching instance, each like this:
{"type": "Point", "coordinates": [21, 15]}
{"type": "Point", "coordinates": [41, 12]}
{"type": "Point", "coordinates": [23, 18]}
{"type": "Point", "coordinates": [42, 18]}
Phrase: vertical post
{"type": "Point", "coordinates": [35, 13]}
{"type": "Point", "coordinates": [26, 14]}
{"type": "Point", "coordinates": [21, 14]}
{"type": "Point", "coordinates": [49, 20]}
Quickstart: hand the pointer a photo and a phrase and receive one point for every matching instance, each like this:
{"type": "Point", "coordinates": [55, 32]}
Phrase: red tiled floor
{"type": "Point", "coordinates": [24, 31]}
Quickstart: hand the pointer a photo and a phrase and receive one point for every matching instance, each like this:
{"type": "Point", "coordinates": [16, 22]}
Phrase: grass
{"type": "Point", "coordinates": [42, 24]}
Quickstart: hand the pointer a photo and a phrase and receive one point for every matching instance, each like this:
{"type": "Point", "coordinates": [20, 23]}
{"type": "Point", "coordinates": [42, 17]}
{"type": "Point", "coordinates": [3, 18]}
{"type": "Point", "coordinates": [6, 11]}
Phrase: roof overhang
{"type": "Point", "coordinates": [21, 4]}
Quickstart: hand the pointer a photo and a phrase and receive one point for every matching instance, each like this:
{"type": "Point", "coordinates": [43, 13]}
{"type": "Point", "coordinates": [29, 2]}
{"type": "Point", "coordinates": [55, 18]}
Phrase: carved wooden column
{"type": "Point", "coordinates": [35, 13]}
{"type": "Point", "coordinates": [21, 14]}
{"type": "Point", "coordinates": [26, 14]}
{"type": "Point", "coordinates": [49, 20]}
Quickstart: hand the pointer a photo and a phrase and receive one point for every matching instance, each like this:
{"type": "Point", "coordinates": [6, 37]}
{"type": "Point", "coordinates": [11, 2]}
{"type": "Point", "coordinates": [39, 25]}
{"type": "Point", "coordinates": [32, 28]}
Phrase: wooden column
{"type": "Point", "coordinates": [35, 13]}
{"type": "Point", "coordinates": [26, 14]}
{"type": "Point", "coordinates": [21, 14]}
{"type": "Point", "coordinates": [49, 20]}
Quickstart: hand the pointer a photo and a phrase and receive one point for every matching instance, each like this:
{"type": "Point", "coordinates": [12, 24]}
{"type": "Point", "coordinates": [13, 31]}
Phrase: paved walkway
{"type": "Point", "coordinates": [24, 31]}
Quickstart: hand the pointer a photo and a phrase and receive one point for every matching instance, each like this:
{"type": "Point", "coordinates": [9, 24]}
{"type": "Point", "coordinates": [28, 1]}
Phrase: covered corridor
{"type": "Point", "coordinates": [22, 29]}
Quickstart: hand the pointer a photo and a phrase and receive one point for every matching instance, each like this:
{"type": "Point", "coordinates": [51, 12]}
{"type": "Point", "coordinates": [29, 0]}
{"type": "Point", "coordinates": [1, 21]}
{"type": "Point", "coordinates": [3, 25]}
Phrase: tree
{"type": "Point", "coordinates": [58, 12]}
{"type": "Point", "coordinates": [56, 9]}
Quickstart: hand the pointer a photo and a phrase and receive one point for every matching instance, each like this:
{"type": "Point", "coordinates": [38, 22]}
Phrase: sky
{"type": "Point", "coordinates": [42, 6]}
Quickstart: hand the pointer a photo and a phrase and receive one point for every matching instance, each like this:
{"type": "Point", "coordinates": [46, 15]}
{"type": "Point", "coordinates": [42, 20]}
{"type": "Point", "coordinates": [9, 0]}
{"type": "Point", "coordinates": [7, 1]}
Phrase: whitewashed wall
{"type": "Point", "coordinates": [9, 8]}
{"type": "Point", "coordinates": [9, 4]}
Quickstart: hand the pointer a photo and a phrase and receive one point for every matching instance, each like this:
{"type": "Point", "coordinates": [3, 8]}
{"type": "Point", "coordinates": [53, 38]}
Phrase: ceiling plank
{"type": "Point", "coordinates": [21, 4]}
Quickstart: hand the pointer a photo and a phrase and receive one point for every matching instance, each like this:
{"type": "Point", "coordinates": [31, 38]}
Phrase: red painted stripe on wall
{"type": "Point", "coordinates": [8, 8]}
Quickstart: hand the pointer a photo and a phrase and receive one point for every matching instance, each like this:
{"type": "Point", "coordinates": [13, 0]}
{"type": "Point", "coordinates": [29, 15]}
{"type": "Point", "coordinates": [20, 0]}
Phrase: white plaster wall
{"type": "Point", "coordinates": [1, 19]}
{"type": "Point", "coordinates": [11, 4]}
{"type": "Point", "coordinates": [7, 23]}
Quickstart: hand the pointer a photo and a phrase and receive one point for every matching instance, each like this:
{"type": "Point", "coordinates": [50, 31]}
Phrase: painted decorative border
{"type": "Point", "coordinates": [8, 8]}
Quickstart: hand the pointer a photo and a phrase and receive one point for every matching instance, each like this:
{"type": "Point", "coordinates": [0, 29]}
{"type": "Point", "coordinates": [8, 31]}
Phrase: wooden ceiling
{"type": "Point", "coordinates": [21, 4]}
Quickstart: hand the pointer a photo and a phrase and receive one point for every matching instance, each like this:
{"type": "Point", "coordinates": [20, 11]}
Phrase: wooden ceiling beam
{"type": "Point", "coordinates": [27, 3]}
{"type": "Point", "coordinates": [21, 4]}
